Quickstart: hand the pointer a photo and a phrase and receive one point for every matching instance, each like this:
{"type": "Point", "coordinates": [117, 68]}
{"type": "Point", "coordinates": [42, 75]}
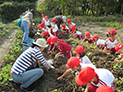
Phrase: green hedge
{"type": "Point", "coordinates": [2, 1]}
{"type": "Point", "coordinates": [12, 11]}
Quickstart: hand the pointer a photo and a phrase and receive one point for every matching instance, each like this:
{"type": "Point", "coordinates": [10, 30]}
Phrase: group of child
{"type": "Point", "coordinates": [96, 79]}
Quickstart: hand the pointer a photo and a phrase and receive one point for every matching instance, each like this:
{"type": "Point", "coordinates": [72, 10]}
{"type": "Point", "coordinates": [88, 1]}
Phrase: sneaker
{"type": "Point", "coordinates": [27, 89]}
{"type": "Point", "coordinates": [24, 43]}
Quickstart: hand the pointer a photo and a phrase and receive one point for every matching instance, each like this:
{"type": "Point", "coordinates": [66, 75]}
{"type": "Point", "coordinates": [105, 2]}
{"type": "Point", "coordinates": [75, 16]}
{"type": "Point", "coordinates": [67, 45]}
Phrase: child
{"type": "Point", "coordinates": [111, 41]}
{"type": "Point", "coordinates": [47, 21]}
{"type": "Point", "coordinates": [79, 51]}
{"type": "Point", "coordinates": [104, 88]}
{"type": "Point", "coordinates": [51, 47]}
{"type": "Point", "coordinates": [70, 23]}
{"type": "Point", "coordinates": [65, 28]}
{"type": "Point", "coordinates": [46, 35]}
{"type": "Point", "coordinates": [88, 38]}
{"type": "Point", "coordinates": [62, 47]}
{"type": "Point", "coordinates": [119, 49]}
{"type": "Point", "coordinates": [75, 65]}
{"type": "Point", "coordinates": [54, 27]}
{"type": "Point", "coordinates": [94, 78]}
{"type": "Point", "coordinates": [43, 19]}
{"type": "Point", "coordinates": [98, 42]}
{"type": "Point", "coordinates": [76, 33]}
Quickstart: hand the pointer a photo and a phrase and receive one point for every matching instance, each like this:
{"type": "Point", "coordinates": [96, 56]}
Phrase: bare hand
{"type": "Point", "coordinates": [59, 78]}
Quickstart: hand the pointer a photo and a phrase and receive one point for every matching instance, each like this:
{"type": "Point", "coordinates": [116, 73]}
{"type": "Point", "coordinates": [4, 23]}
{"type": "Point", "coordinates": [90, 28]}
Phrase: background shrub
{"type": "Point", "coordinates": [12, 11]}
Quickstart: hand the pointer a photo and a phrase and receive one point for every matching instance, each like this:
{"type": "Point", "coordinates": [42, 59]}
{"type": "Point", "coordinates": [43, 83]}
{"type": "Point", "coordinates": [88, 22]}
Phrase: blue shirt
{"type": "Point", "coordinates": [24, 61]}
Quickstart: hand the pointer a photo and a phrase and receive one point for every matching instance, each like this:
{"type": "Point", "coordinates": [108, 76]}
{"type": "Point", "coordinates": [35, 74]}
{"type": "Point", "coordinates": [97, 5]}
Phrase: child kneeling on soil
{"type": "Point", "coordinates": [62, 47]}
{"type": "Point", "coordinates": [76, 33]}
{"type": "Point", "coordinates": [119, 49]}
{"type": "Point", "coordinates": [111, 41]}
{"type": "Point", "coordinates": [79, 51]}
{"type": "Point", "coordinates": [87, 38]}
{"type": "Point", "coordinates": [94, 78]}
{"type": "Point", "coordinates": [98, 42]}
{"type": "Point", "coordinates": [65, 28]}
{"type": "Point", "coordinates": [70, 23]}
{"type": "Point", "coordinates": [47, 34]}
{"type": "Point", "coordinates": [51, 46]}
{"type": "Point", "coordinates": [42, 27]}
{"type": "Point", "coordinates": [54, 27]}
{"type": "Point", "coordinates": [75, 65]}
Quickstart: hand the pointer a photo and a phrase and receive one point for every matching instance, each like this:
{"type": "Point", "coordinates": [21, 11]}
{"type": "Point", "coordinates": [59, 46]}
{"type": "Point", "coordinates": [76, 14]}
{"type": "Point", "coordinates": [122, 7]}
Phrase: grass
{"type": "Point", "coordinates": [14, 52]}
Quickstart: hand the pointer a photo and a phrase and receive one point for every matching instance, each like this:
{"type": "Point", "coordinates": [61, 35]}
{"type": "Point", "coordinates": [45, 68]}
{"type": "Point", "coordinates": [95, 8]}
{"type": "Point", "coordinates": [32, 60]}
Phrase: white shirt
{"type": "Point", "coordinates": [83, 66]}
{"type": "Point", "coordinates": [55, 28]}
{"type": "Point", "coordinates": [72, 24]}
{"type": "Point", "coordinates": [45, 29]}
{"type": "Point", "coordinates": [99, 42]}
{"type": "Point", "coordinates": [85, 60]}
{"type": "Point", "coordinates": [43, 19]}
{"type": "Point", "coordinates": [47, 22]}
{"type": "Point", "coordinates": [78, 33]}
{"type": "Point", "coordinates": [50, 33]}
{"type": "Point", "coordinates": [110, 44]}
{"type": "Point", "coordinates": [66, 27]}
{"type": "Point", "coordinates": [105, 77]}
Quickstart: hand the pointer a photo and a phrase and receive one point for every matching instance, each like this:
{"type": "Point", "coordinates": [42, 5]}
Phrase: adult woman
{"type": "Point", "coordinates": [21, 72]}
{"type": "Point", "coordinates": [26, 24]}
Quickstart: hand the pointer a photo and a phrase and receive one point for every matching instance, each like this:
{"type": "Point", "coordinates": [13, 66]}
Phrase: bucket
{"type": "Point", "coordinates": [29, 41]}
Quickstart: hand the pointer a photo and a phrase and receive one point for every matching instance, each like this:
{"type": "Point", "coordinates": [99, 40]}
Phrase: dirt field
{"type": "Point", "coordinates": [48, 82]}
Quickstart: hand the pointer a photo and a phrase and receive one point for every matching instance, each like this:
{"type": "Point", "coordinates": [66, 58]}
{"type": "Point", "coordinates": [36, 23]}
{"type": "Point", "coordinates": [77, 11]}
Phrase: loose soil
{"type": "Point", "coordinates": [48, 82]}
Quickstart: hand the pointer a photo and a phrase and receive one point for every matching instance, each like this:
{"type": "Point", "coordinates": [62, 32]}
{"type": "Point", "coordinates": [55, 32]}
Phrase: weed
{"type": "Point", "coordinates": [92, 45]}
{"type": "Point", "coordinates": [4, 75]}
{"type": "Point", "coordinates": [4, 31]}
{"type": "Point", "coordinates": [89, 53]}
{"type": "Point", "coordinates": [57, 90]}
{"type": "Point", "coordinates": [14, 52]}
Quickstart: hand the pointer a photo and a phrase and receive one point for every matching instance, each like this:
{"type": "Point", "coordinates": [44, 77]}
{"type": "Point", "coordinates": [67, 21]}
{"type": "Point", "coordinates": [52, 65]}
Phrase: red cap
{"type": "Point", "coordinates": [104, 88]}
{"type": "Point", "coordinates": [43, 15]}
{"type": "Point", "coordinates": [86, 75]}
{"type": "Point", "coordinates": [42, 25]}
{"type": "Point", "coordinates": [87, 34]}
{"type": "Point", "coordinates": [54, 19]}
{"type": "Point", "coordinates": [73, 62]}
{"type": "Point", "coordinates": [68, 21]}
{"type": "Point", "coordinates": [39, 25]}
{"type": "Point", "coordinates": [79, 49]}
{"type": "Point", "coordinates": [73, 28]}
{"type": "Point", "coordinates": [49, 40]}
{"type": "Point", "coordinates": [63, 25]}
{"type": "Point", "coordinates": [54, 39]}
{"type": "Point", "coordinates": [118, 47]}
{"type": "Point", "coordinates": [95, 37]}
{"type": "Point", "coordinates": [112, 31]}
{"type": "Point", "coordinates": [45, 33]}
{"type": "Point", "coordinates": [46, 17]}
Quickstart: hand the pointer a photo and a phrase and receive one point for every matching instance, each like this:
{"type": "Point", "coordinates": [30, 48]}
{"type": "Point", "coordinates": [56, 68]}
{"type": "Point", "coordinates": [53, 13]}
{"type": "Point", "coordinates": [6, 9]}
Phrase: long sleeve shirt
{"type": "Point", "coordinates": [24, 61]}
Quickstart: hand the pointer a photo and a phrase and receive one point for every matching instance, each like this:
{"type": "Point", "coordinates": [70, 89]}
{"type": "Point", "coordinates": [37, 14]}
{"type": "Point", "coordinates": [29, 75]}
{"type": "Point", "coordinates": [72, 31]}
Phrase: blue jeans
{"type": "Point", "coordinates": [25, 28]}
{"type": "Point", "coordinates": [28, 77]}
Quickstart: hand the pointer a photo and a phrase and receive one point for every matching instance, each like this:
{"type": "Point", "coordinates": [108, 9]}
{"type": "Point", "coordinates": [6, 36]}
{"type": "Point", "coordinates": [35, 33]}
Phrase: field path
{"type": "Point", "coordinates": [6, 43]}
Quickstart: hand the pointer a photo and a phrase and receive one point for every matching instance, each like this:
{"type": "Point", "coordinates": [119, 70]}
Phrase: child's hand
{"type": "Point", "coordinates": [59, 78]}
{"type": "Point", "coordinates": [48, 52]}
{"type": "Point", "coordinates": [56, 56]}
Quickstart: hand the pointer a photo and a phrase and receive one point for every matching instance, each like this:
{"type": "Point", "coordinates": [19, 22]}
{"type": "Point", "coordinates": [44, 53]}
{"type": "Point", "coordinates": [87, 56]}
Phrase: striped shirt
{"type": "Point", "coordinates": [24, 61]}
